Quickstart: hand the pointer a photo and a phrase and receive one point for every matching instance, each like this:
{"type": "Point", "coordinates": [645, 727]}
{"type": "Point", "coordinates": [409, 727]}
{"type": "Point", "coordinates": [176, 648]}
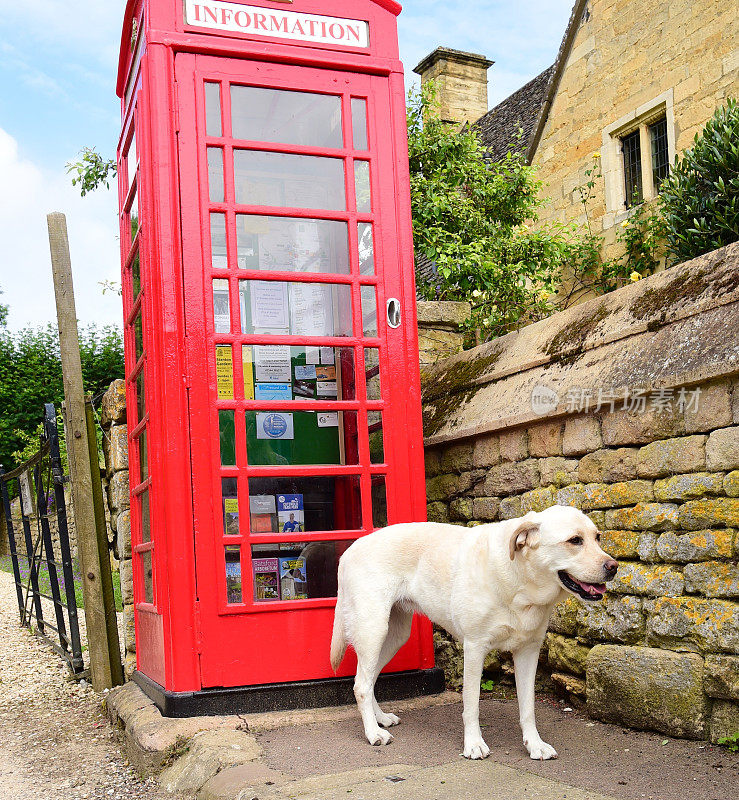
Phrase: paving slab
{"type": "Point", "coordinates": [482, 780]}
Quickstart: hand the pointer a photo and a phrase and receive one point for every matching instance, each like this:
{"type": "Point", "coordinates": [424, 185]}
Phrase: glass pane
{"type": "Point", "coordinates": [376, 444]}
{"type": "Point", "coordinates": [230, 499]}
{"type": "Point", "coordinates": [289, 181]}
{"type": "Point", "coordinates": [218, 249]}
{"type": "Point", "coordinates": [362, 185]}
{"type": "Point", "coordinates": [140, 396]}
{"type": "Point", "coordinates": [289, 505]}
{"type": "Point", "coordinates": [366, 248]}
{"type": "Point", "coordinates": [359, 123]}
{"type": "Point", "coordinates": [138, 335]}
{"type": "Point", "coordinates": [134, 213]}
{"type": "Point", "coordinates": [143, 457]}
{"type": "Point", "coordinates": [221, 306]}
{"type": "Point", "coordinates": [631, 146]}
{"type": "Point", "coordinates": [136, 275]}
{"type": "Point", "coordinates": [276, 115]}
{"type": "Point", "coordinates": [369, 311]}
{"type": "Point", "coordinates": [300, 309]}
{"type": "Point", "coordinates": [147, 568]}
{"type": "Point", "coordinates": [301, 437]}
{"type": "Point", "coordinates": [227, 435]}
{"type": "Point", "coordinates": [282, 372]}
{"type": "Point", "coordinates": [133, 158]}
{"type": "Point", "coordinates": [215, 174]}
{"type": "Point", "coordinates": [286, 244]}
{"type": "Point", "coordinates": [145, 517]}
{"type": "Point", "coordinates": [213, 109]}
{"type": "Point", "coordinates": [660, 155]}
{"type": "Point", "coordinates": [372, 373]}
{"type": "Point", "coordinates": [296, 571]}
{"type": "Point", "coordinates": [379, 501]}
{"type": "Point", "coordinates": [233, 574]}
{"type": "Point", "coordinates": [224, 372]}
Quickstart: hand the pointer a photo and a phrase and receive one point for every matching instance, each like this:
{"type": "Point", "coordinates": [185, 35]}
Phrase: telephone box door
{"type": "Point", "coordinates": [303, 387]}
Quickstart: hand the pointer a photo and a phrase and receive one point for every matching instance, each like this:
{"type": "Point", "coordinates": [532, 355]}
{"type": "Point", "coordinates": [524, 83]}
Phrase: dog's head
{"type": "Point", "coordinates": [562, 541]}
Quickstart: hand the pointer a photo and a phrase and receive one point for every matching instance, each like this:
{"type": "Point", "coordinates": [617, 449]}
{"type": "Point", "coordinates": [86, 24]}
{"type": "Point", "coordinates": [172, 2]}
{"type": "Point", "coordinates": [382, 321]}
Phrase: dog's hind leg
{"type": "Point", "coordinates": [368, 644]}
{"type": "Point", "coordinates": [399, 629]}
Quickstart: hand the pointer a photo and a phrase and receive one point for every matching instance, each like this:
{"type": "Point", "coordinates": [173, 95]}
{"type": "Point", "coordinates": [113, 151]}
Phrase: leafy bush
{"type": "Point", "coordinates": [31, 375]}
{"type": "Point", "coordinates": [92, 171]}
{"type": "Point", "coordinates": [700, 199]}
{"type": "Point", "coordinates": [471, 216]}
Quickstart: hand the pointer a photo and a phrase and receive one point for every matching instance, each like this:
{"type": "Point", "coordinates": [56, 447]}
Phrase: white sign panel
{"type": "Point", "coordinates": [276, 23]}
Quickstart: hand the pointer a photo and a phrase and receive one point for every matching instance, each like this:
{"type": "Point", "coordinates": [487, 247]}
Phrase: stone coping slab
{"type": "Point", "coordinates": [675, 328]}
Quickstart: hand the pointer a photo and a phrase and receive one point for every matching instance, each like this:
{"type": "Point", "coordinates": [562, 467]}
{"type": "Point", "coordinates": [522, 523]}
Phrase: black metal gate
{"type": "Point", "coordinates": [40, 549]}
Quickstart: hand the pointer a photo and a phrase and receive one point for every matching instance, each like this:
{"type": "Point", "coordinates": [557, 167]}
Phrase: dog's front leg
{"type": "Point", "coordinates": [474, 657]}
{"type": "Point", "coordinates": [525, 662]}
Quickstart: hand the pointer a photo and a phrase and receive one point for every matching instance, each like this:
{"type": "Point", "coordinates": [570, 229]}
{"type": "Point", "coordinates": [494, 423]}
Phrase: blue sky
{"type": "Point", "coordinates": [58, 62]}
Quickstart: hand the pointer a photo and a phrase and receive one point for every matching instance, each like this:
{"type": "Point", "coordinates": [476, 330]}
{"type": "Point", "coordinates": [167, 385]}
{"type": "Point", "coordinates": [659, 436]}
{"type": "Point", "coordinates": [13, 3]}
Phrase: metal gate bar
{"type": "Point", "coordinates": [45, 471]}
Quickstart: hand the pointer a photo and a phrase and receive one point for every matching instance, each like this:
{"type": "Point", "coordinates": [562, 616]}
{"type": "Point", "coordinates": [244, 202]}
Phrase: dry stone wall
{"type": "Point", "coordinates": [115, 451]}
{"type": "Point", "coordinates": [660, 478]}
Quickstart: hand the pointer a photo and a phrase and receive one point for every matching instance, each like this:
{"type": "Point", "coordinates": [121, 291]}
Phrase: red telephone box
{"type": "Point", "coordinates": [271, 353]}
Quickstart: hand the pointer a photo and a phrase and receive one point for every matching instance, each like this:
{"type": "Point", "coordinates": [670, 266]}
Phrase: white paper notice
{"type": "Point", "coordinates": [269, 305]}
{"type": "Point", "coordinates": [326, 389]}
{"type": "Point", "coordinates": [272, 363]}
{"type": "Point", "coordinates": [327, 355]}
{"type": "Point", "coordinates": [328, 419]}
{"type": "Point", "coordinates": [311, 309]}
{"type": "Point", "coordinates": [312, 355]}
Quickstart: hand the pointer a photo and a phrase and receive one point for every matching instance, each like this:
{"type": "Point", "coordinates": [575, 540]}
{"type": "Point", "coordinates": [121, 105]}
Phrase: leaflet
{"type": "Point", "coordinates": [269, 304]}
{"type": "Point", "coordinates": [272, 363]}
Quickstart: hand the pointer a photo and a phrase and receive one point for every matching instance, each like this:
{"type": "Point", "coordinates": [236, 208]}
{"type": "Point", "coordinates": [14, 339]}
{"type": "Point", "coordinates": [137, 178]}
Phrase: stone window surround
{"type": "Point", "coordinates": [612, 157]}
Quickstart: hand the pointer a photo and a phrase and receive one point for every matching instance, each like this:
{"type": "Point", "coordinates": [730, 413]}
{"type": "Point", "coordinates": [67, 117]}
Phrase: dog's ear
{"type": "Point", "coordinates": [526, 534]}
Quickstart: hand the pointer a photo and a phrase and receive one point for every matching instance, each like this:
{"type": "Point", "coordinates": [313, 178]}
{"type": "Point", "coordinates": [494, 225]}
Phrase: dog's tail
{"type": "Point", "coordinates": [338, 638]}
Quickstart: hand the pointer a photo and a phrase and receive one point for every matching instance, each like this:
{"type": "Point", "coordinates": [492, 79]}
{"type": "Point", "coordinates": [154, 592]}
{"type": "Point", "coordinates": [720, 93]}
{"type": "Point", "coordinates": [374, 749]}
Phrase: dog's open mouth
{"type": "Point", "coordinates": [588, 591]}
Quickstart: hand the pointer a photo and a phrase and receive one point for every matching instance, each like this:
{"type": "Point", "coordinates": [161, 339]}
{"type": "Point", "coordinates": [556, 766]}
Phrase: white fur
{"type": "Point", "coordinates": [492, 587]}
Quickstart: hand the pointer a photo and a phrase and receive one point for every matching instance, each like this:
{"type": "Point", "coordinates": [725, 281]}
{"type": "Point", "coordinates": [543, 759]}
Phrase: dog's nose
{"type": "Point", "coordinates": [610, 568]}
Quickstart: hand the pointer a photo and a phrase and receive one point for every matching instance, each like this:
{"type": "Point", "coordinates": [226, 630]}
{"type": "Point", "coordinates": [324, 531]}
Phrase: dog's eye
{"type": "Point", "coordinates": [575, 540]}
{"type": "Point", "coordinates": [597, 537]}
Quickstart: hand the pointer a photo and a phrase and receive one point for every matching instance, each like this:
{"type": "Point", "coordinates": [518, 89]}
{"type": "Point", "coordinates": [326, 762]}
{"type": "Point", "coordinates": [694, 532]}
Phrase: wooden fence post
{"type": "Point", "coordinates": [103, 651]}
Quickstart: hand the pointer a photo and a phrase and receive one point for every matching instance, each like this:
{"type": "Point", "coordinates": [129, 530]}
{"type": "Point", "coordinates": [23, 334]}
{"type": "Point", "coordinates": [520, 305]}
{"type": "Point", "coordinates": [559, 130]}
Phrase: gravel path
{"type": "Point", "coordinates": [55, 743]}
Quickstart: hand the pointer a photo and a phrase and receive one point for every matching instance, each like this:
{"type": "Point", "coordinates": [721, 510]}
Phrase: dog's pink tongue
{"type": "Point", "coordinates": [594, 589]}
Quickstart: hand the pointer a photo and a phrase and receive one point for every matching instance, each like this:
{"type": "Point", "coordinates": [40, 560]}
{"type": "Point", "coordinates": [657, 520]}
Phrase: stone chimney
{"type": "Point", "coordinates": [461, 82]}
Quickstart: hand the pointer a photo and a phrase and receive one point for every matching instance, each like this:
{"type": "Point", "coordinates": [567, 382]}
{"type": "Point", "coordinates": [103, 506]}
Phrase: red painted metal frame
{"type": "Point", "coordinates": [189, 638]}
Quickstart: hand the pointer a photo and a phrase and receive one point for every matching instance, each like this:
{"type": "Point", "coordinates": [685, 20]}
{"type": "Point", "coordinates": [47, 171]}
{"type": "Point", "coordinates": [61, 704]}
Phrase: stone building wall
{"type": "Point", "coordinates": [626, 407]}
{"type": "Point", "coordinates": [115, 452]}
{"type": "Point", "coordinates": [627, 53]}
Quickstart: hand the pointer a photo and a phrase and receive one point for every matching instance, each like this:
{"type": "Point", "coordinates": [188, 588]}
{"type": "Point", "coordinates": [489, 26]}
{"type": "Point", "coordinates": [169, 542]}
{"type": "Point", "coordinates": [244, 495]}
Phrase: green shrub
{"type": "Point", "coordinates": [700, 199]}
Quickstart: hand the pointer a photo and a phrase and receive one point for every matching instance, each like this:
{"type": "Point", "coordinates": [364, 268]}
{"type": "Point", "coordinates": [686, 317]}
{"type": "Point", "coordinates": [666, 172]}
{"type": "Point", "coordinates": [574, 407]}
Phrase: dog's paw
{"type": "Point", "coordinates": [387, 720]}
{"type": "Point", "coordinates": [540, 751]}
{"type": "Point", "coordinates": [475, 748]}
{"type": "Point", "coordinates": [380, 737]}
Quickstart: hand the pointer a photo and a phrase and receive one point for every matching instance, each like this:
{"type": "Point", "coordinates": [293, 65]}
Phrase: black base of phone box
{"type": "Point", "coordinates": [287, 696]}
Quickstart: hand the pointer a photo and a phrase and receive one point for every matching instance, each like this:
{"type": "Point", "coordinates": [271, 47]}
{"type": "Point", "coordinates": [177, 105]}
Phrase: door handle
{"type": "Point", "coordinates": [393, 312]}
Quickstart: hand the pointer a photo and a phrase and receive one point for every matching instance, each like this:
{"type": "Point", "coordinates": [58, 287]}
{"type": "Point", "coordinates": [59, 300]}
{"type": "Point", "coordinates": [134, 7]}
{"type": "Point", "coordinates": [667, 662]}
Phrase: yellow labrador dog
{"type": "Point", "coordinates": [492, 587]}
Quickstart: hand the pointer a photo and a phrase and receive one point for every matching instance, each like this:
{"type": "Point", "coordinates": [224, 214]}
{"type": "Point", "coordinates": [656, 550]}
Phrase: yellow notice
{"type": "Point", "coordinates": [246, 360]}
{"type": "Point", "coordinates": [224, 372]}
{"type": "Point", "coordinates": [231, 505]}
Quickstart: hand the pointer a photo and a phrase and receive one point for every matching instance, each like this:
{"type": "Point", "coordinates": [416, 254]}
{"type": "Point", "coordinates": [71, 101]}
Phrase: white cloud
{"type": "Point", "coordinates": [27, 194]}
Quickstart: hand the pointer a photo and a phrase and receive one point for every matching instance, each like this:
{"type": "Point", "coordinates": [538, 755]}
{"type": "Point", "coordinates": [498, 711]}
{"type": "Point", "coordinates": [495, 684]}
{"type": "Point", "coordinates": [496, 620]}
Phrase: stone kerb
{"type": "Point", "coordinates": [656, 468]}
